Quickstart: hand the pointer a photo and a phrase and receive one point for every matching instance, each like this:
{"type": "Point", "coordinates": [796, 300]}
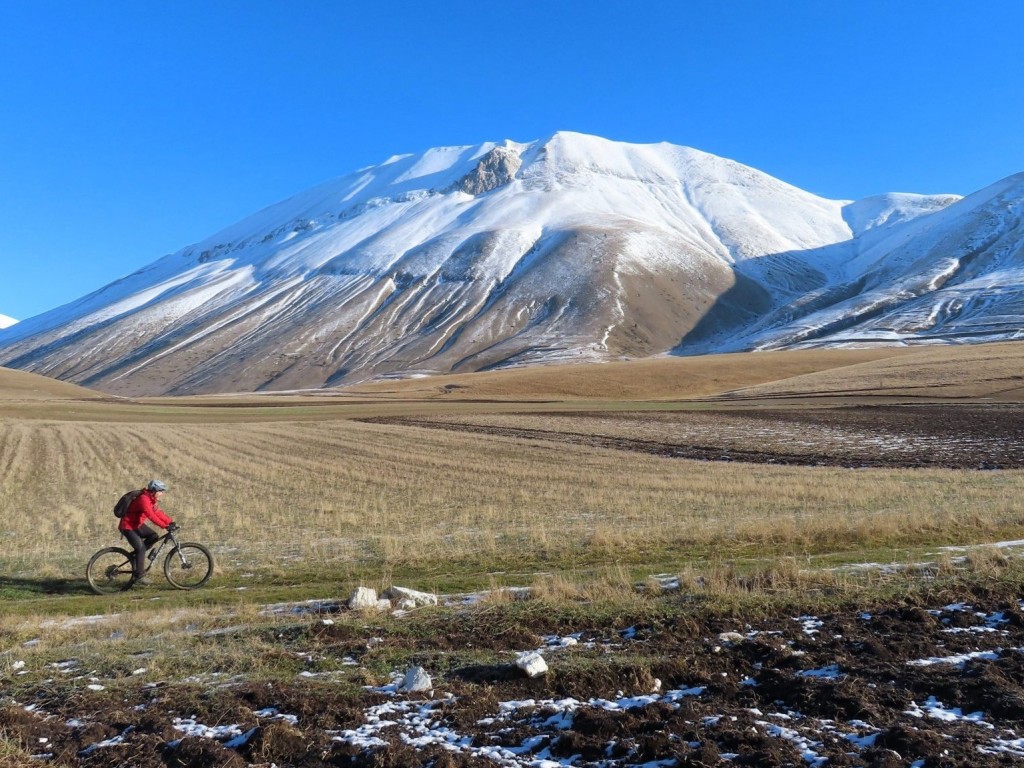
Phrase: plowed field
{"type": "Point", "coordinates": [957, 437]}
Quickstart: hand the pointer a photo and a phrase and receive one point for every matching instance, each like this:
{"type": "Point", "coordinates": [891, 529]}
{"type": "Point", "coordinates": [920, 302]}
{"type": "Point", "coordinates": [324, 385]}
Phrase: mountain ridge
{"type": "Point", "coordinates": [575, 248]}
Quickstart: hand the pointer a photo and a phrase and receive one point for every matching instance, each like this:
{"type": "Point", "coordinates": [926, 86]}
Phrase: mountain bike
{"type": "Point", "coordinates": [188, 565]}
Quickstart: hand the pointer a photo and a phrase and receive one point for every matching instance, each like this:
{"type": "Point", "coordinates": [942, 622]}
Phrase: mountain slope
{"type": "Point", "coordinates": [954, 276]}
{"type": "Point", "coordinates": [21, 386]}
{"type": "Point", "coordinates": [571, 249]}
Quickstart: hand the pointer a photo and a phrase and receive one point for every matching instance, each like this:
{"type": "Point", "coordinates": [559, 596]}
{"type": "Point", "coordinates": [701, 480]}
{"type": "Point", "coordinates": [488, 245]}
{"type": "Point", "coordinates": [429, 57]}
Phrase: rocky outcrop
{"type": "Point", "coordinates": [495, 169]}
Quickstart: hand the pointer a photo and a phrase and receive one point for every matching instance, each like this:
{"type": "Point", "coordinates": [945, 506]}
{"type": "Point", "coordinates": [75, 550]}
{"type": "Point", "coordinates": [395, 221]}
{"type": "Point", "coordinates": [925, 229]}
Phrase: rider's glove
{"type": "Point", "coordinates": [172, 527]}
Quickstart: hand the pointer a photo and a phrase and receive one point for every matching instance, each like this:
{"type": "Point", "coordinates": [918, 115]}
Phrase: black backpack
{"type": "Point", "coordinates": [124, 502]}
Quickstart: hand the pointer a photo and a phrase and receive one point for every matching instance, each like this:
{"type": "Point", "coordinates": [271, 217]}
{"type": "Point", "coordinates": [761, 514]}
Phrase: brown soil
{"type": "Point", "coordinates": [851, 688]}
{"type": "Point", "coordinates": [962, 436]}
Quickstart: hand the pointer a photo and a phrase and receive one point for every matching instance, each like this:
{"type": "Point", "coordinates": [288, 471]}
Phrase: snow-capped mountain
{"type": "Point", "coordinates": [572, 248]}
{"type": "Point", "coordinates": [6, 322]}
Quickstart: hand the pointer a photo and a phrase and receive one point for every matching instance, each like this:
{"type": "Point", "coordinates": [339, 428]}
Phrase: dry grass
{"type": "Point", "coordinates": [22, 386]}
{"type": "Point", "coordinates": [283, 495]}
{"type": "Point", "coordinates": [288, 483]}
{"type": "Point", "coordinates": [14, 754]}
{"type": "Point", "coordinates": [988, 371]}
{"type": "Point", "coordinates": [662, 378]}
{"type": "Point", "coordinates": [970, 371]}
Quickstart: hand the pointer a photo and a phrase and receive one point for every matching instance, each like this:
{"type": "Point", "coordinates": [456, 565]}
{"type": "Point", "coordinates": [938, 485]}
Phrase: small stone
{"type": "Point", "coordinates": [417, 679]}
{"type": "Point", "coordinates": [419, 598]}
{"type": "Point", "coordinates": [362, 599]}
{"type": "Point", "coordinates": [532, 663]}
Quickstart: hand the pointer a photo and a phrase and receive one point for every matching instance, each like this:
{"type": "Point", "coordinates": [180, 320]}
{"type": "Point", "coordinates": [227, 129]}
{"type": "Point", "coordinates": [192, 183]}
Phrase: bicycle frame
{"type": "Point", "coordinates": [153, 553]}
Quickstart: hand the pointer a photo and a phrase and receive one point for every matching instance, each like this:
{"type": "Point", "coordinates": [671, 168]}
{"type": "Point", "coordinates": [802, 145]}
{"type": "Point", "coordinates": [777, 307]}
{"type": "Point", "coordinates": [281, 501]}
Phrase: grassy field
{"type": "Point", "coordinates": [295, 487]}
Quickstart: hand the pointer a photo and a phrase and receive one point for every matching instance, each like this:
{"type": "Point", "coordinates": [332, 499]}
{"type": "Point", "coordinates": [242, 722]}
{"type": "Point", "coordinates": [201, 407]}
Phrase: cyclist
{"type": "Point", "coordinates": [133, 525]}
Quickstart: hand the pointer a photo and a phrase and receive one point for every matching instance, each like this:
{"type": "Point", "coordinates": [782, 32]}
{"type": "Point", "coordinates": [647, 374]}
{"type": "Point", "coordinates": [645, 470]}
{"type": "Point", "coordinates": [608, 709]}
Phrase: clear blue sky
{"type": "Point", "coordinates": [129, 129]}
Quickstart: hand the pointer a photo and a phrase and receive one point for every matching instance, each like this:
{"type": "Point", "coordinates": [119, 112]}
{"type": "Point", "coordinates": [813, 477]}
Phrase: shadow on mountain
{"type": "Point", "coordinates": [771, 292]}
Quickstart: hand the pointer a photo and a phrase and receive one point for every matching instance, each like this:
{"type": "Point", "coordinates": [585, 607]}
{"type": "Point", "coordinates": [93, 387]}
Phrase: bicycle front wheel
{"type": "Point", "coordinates": [188, 566]}
{"type": "Point", "coordinates": [110, 570]}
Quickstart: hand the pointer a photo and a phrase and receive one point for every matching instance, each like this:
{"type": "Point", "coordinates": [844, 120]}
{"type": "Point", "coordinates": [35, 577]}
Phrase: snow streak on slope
{"type": "Point", "coordinates": [6, 322]}
{"type": "Point", "coordinates": [954, 276]}
{"type": "Point", "coordinates": [573, 248]}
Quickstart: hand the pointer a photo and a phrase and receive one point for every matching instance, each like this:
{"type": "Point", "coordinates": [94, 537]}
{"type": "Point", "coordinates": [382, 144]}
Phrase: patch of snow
{"type": "Point", "coordinates": [957, 659]}
{"type": "Point", "coordinates": [805, 745]}
{"type": "Point", "coordinates": [1013, 747]}
{"type": "Point", "coordinates": [830, 672]}
{"type": "Point", "coordinates": [112, 742]}
{"type": "Point", "coordinates": [811, 624]}
{"type": "Point", "coordinates": [192, 727]}
{"type": "Point", "coordinates": [935, 709]}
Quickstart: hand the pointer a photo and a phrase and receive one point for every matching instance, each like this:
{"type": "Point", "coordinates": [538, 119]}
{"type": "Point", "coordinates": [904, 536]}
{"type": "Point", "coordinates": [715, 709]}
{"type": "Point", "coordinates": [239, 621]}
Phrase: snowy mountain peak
{"type": "Point", "coordinates": [893, 208]}
{"type": "Point", "coordinates": [503, 253]}
{"type": "Point", "coordinates": [6, 322]}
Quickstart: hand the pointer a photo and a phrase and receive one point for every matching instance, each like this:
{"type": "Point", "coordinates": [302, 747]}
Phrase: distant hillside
{"type": "Point", "coordinates": [662, 378]}
{"type": "Point", "coordinates": [20, 385]}
{"type": "Point", "coordinates": [981, 372]}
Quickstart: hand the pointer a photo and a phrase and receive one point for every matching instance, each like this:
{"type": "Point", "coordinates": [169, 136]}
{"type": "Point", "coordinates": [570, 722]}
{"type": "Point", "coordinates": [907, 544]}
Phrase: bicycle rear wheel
{"type": "Point", "coordinates": [111, 570]}
{"type": "Point", "coordinates": [188, 566]}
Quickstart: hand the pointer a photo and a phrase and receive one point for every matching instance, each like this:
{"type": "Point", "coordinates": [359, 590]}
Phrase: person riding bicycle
{"type": "Point", "coordinates": [133, 525]}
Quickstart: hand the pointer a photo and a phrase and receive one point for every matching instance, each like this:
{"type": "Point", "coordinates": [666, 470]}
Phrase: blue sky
{"type": "Point", "coordinates": [131, 129]}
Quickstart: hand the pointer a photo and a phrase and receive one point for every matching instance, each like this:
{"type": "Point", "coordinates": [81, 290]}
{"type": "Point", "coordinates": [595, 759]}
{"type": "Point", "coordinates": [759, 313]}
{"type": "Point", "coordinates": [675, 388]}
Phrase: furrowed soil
{"type": "Point", "coordinates": [937, 684]}
{"type": "Point", "coordinates": [951, 436]}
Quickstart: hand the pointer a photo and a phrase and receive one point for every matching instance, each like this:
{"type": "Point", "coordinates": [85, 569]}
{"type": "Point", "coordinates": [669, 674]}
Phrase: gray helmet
{"type": "Point", "coordinates": [156, 485]}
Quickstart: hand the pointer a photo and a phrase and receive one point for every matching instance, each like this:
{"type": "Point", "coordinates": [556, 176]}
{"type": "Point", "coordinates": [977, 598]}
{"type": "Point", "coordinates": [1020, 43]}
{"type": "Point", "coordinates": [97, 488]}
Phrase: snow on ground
{"type": "Point", "coordinates": [517, 732]}
{"type": "Point", "coordinates": [6, 322]}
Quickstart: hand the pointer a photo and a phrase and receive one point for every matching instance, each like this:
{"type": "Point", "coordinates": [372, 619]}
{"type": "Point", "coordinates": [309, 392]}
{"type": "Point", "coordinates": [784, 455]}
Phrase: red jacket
{"type": "Point", "coordinates": [142, 509]}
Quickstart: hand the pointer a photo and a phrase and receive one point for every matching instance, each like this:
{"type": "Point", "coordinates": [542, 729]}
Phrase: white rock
{"type": "Point", "coordinates": [532, 663]}
{"type": "Point", "coordinates": [417, 679]}
{"type": "Point", "coordinates": [420, 598]}
{"type": "Point", "coordinates": [362, 599]}
{"type": "Point", "coordinates": [405, 604]}
{"type": "Point", "coordinates": [731, 637]}
{"type": "Point", "coordinates": [383, 604]}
